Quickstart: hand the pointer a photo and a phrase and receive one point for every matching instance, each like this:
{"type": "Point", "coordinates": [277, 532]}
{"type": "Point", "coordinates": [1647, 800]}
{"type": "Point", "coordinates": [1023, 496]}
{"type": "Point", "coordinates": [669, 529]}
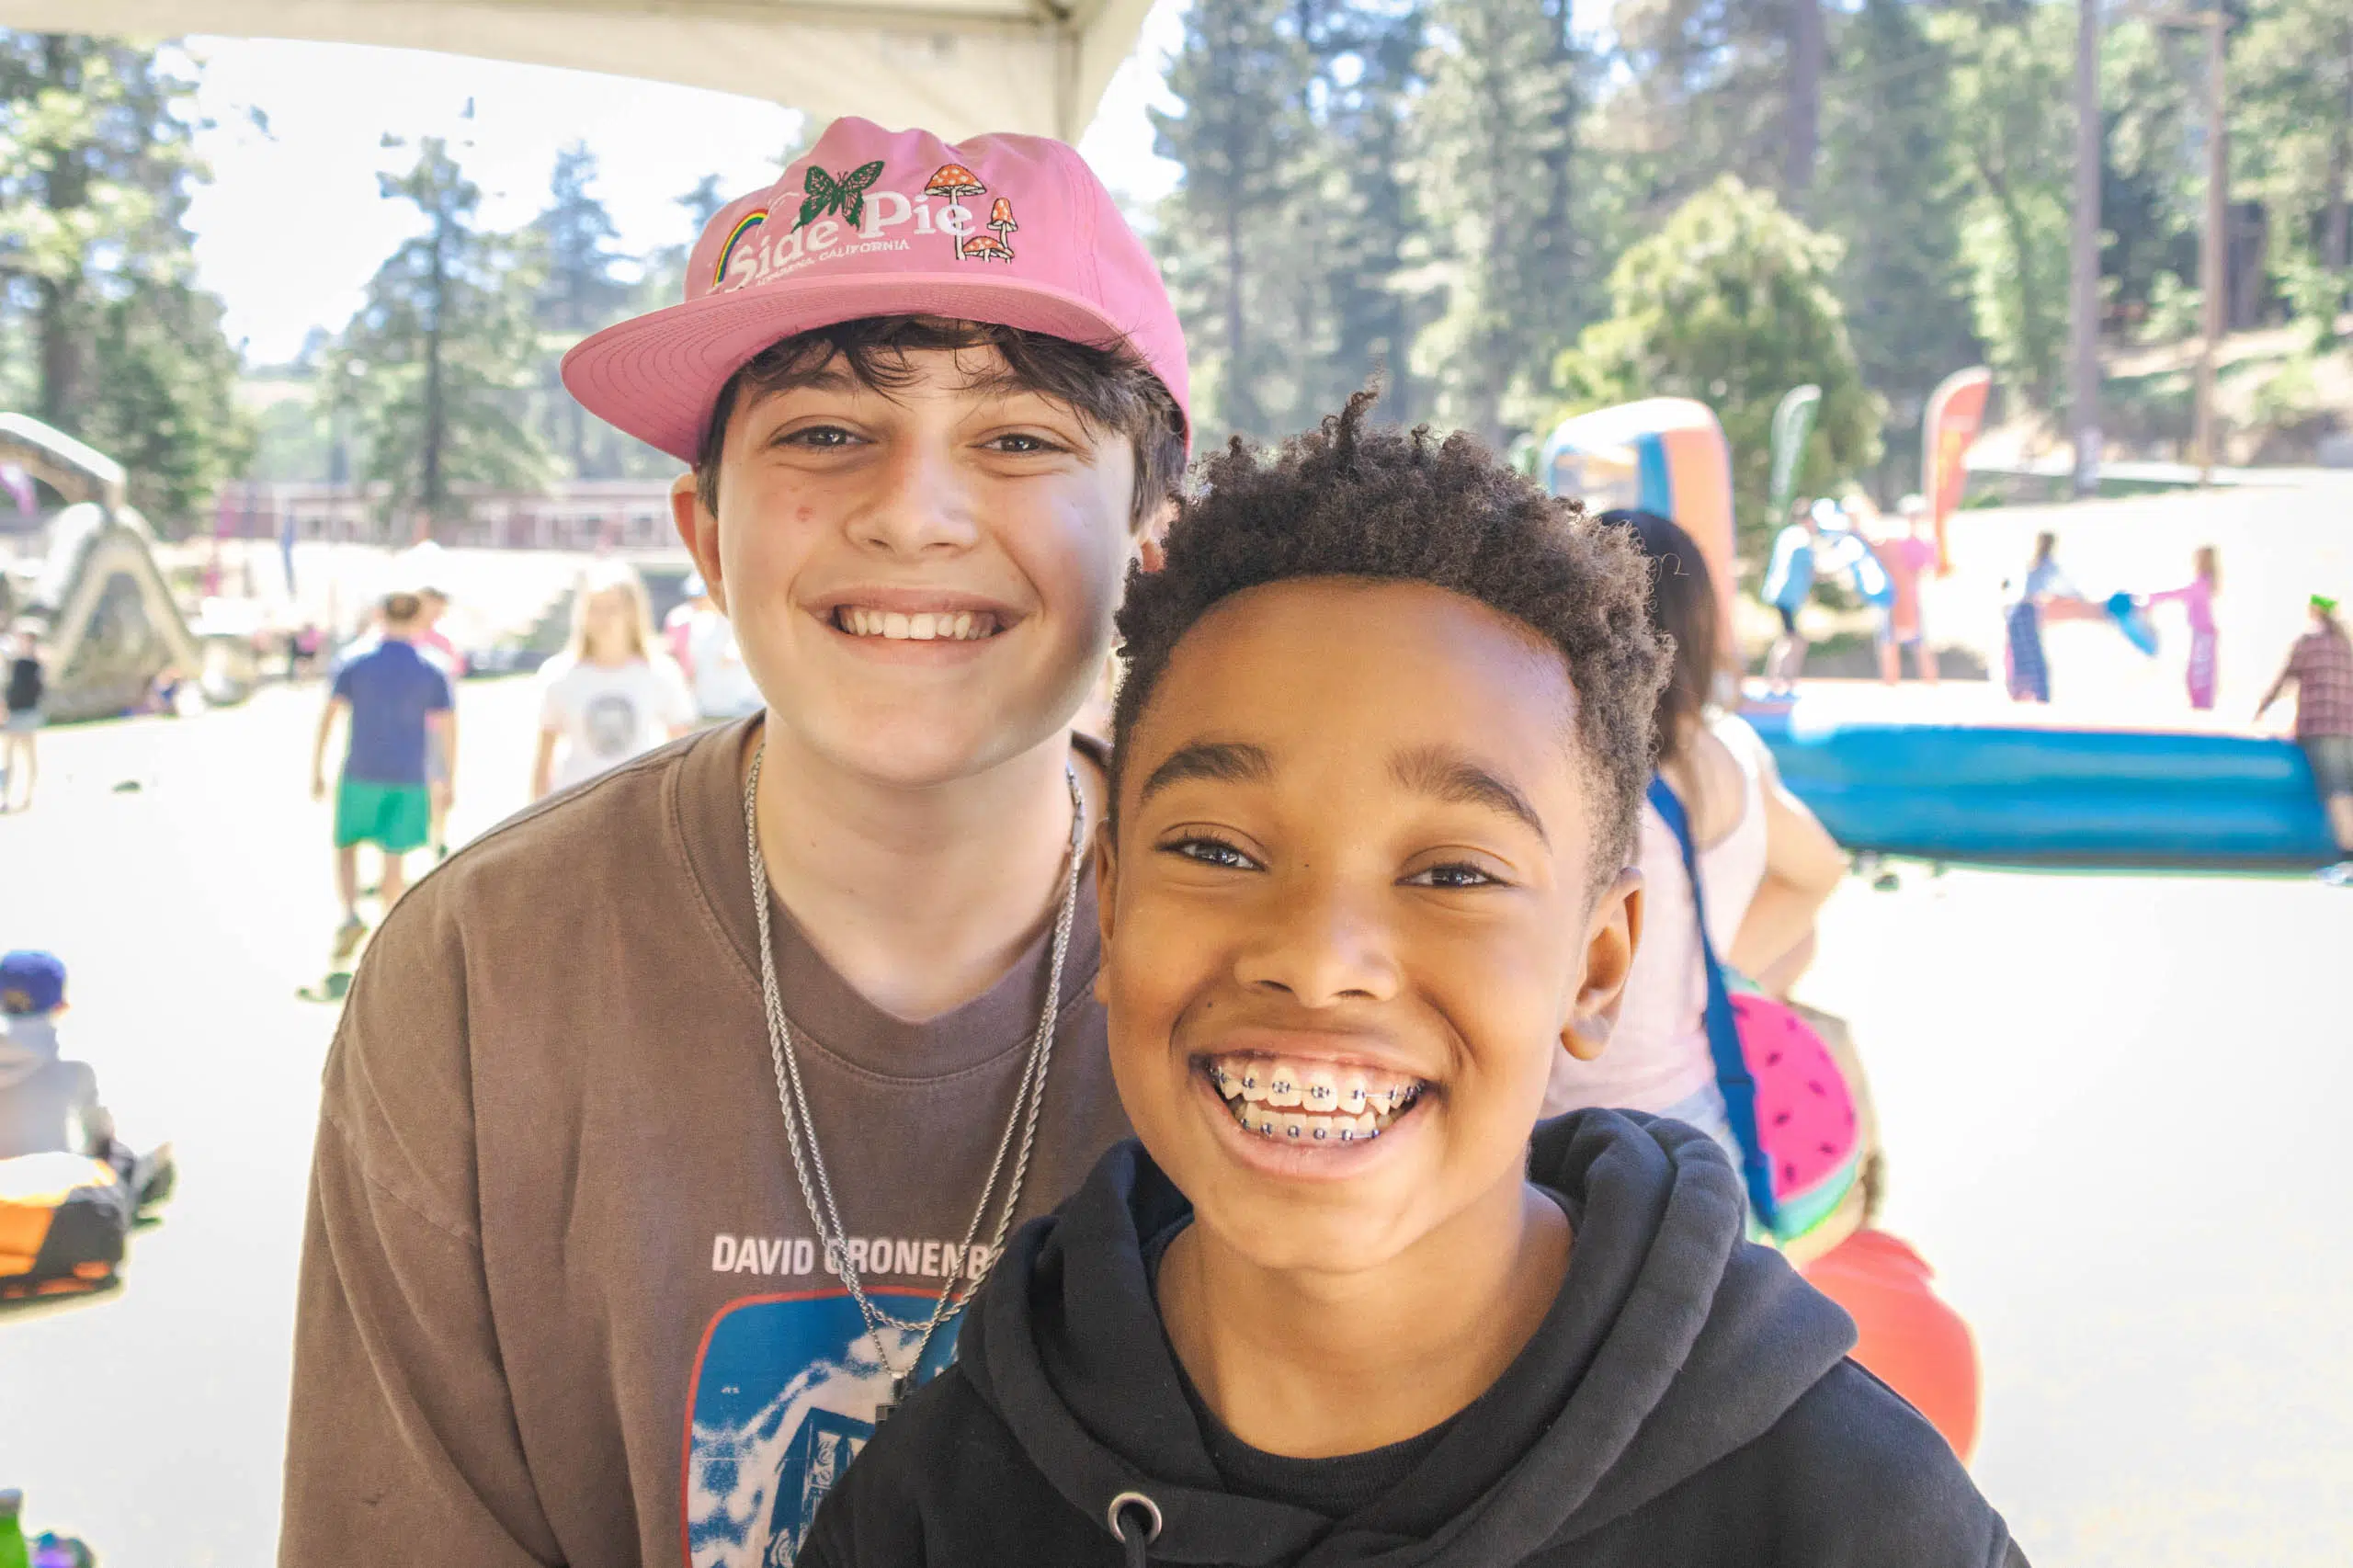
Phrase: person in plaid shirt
{"type": "Point", "coordinates": [2320, 664]}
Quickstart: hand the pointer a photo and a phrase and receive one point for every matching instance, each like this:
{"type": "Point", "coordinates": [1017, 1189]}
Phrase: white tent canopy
{"type": "Point", "coordinates": [955, 67]}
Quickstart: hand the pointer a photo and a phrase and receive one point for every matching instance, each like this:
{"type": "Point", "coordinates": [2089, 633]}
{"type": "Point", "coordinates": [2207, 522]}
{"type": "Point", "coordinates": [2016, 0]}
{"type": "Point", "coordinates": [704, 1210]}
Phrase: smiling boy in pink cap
{"type": "Point", "coordinates": [632, 1213]}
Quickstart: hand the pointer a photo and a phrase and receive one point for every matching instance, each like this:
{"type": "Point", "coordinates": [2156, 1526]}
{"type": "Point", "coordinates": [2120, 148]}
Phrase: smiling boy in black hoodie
{"type": "Point", "coordinates": [1384, 728]}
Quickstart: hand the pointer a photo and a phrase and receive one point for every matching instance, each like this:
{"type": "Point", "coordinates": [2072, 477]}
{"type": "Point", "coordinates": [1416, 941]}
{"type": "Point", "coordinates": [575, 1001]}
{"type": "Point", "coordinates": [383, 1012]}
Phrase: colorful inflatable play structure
{"type": "Point", "coordinates": [2047, 796]}
{"type": "Point", "coordinates": [2017, 794]}
{"type": "Point", "coordinates": [1665, 455]}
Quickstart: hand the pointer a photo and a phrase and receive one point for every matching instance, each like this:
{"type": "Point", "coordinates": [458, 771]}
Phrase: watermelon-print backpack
{"type": "Point", "coordinates": [1790, 1107]}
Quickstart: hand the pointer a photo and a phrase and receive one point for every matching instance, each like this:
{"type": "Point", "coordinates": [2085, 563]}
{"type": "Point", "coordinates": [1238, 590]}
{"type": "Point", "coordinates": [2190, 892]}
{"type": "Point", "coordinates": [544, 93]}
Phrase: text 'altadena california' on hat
{"type": "Point", "coordinates": [1015, 231]}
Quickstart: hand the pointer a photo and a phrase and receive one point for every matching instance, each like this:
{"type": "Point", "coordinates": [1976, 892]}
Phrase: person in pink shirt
{"type": "Point", "coordinates": [1905, 557]}
{"type": "Point", "coordinates": [2197, 597]}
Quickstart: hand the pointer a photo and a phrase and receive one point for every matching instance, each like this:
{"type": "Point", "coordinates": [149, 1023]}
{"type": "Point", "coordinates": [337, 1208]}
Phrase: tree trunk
{"type": "Point", "coordinates": [61, 354]}
{"type": "Point", "coordinates": [1808, 47]}
{"type": "Point", "coordinates": [65, 188]}
{"type": "Point", "coordinates": [1241, 401]}
{"type": "Point", "coordinates": [430, 475]}
{"type": "Point", "coordinates": [2335, 238]}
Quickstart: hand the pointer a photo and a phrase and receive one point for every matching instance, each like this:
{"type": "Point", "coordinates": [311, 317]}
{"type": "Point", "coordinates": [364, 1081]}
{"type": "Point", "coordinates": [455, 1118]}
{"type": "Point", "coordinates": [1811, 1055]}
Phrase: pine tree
{"type": "Point", "coordinates": [2292, 144]}
{"type": "Point", "coordinates": [582, 289]}
{"type": "Point", "coordinates": [1704, 90]}
{"type": "Point", "coordinates": [119, 346]}
{"type": "Point", "coordinates": [2013, 115]}
{"type": "Point", "coordinates": [437, 366]}
{"type": "Point", "coordinates": [1224, 236]}
{"type": "Point", "coordinates": [1368, 63]}
{"type": "Point", "coordinates": [1498, 129]}
{"type": "Point", "coordinates": [1892, 194]}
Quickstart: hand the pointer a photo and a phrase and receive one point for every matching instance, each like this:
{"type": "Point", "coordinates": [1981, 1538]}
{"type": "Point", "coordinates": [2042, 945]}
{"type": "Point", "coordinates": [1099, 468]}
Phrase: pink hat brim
{"type": "Point", "coordinates": [657, 376]}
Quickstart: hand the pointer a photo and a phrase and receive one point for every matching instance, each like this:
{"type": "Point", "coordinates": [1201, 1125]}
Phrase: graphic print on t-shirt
{"type": "Point", "coordinates": [783, 1398]}
{"type": "Point", "coordinates": [609, 723]}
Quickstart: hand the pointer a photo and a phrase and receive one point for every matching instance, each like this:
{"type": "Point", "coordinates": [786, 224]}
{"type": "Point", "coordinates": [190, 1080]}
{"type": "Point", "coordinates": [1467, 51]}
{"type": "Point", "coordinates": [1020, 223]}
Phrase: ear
{"type": "Point", "coordinates": [1107, 890]}
{"type": "Point", "coordinates": [699, 531]}
{"type": "Point", "coordinates": [1151, 553]}
{"type": "Point", "coordinates": [1612, 934]}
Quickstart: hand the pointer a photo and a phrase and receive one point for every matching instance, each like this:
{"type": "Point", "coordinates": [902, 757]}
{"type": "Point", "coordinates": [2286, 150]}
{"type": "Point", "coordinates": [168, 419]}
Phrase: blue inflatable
{"type": "Point", "coordinates": [2108, 799]}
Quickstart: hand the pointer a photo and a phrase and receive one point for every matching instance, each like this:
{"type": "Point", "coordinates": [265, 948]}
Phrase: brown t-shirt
{"type": "Point", "coordinates": [562, 1302]}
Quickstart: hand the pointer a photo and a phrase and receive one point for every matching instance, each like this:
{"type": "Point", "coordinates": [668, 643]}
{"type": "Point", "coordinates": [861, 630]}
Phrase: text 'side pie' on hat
{"type": "Point", "coordinates": [1011, 229]}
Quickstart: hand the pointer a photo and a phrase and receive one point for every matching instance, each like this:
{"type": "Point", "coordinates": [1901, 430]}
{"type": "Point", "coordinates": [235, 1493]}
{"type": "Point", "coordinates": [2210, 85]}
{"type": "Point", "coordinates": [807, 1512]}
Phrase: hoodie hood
{"type": "Point", "coordinates": [1673, 1343]}
{"type": "Point", "coordinates": [28, 1044]}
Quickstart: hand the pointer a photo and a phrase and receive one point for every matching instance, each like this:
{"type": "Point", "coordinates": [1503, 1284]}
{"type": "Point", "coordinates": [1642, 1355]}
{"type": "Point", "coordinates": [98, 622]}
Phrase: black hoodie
{"type": "Point", "coordinates": [1687, 1402]}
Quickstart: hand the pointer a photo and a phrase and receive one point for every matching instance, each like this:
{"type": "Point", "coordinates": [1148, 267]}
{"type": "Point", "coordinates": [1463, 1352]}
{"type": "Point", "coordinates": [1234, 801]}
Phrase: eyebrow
{"type": "Point", "coordinates": [1450, 776]}
{"type": "Point", "coordinates": [1227, 762]}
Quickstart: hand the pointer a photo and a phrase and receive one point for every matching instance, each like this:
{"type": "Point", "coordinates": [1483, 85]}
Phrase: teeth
{"type": "Point", "coordinates": [1309, 1102]}
{"type": "Point", "coordinates": [942, 626]}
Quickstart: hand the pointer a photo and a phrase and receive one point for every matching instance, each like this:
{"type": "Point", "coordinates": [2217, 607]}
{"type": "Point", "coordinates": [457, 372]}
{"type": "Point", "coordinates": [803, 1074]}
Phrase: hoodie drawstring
{"type": "Point", "coordinates": [1148, 1529]}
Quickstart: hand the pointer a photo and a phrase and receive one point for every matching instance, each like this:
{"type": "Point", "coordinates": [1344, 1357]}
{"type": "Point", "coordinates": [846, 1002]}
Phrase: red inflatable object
{"type": "Point", "coordinates": [1910, 1340]}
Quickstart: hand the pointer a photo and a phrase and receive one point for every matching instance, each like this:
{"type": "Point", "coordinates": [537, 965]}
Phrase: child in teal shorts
{"type": "Point", "coordinates": [401, 711]}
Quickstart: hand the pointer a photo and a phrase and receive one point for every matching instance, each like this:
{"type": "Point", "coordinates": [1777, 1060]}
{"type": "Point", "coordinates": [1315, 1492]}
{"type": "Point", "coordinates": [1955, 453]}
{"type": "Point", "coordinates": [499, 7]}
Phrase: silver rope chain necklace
{"type": "Point", "coordinates": [800, 1129]}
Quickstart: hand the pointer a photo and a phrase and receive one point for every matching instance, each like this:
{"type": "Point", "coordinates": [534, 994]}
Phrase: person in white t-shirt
{"type": "Point", "coordinates": [614, 693]}
{"type": "Point", "coordinates": [723, 687]}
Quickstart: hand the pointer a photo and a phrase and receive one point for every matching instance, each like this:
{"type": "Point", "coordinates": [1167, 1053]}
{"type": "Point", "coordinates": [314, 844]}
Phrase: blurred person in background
{"type": "Point", "coordinates": [1766, 867]}
{"type": "Point", "coordinates": [400, 707]}
{"type": "Point", "coordinates": [28, 689]}
{"type": "Point", "coordinates": [614, 693]}
{"type": "Point", "coordinates": [1906, 557]}
{"type": "Point", "coordinates": [2197, 599]}
{"type": "Point", "coordinates": [2321, 668]}
{"type": "Point", "coordinates": [713, 662]}
{"type": "Point", "coordinates": [1789, 582]}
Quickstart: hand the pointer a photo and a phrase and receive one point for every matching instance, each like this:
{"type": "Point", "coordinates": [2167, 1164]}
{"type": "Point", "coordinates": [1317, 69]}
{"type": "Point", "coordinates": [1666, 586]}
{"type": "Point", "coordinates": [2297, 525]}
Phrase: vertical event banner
{"type": "Point", "coordinates": [1955, 409]}
{"type": "Point", "coordinates": [1792, 423]}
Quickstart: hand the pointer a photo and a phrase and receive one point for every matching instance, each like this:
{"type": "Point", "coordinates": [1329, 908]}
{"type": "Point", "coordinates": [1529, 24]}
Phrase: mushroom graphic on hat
{"type": "Point", "coordinates": [955, 181]}
{"type": "Point", "coordinates": [1000, 220]}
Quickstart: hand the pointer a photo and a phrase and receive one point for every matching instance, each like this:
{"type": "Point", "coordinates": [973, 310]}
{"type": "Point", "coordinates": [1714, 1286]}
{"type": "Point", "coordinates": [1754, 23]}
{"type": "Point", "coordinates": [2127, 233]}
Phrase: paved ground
{"type": "Point", "coordinates": [2113, 1106]}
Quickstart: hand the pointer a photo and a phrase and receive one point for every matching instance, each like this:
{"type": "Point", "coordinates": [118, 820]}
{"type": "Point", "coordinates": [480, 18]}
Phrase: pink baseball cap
{"type": "Point", "coordinates": [1011, 229]}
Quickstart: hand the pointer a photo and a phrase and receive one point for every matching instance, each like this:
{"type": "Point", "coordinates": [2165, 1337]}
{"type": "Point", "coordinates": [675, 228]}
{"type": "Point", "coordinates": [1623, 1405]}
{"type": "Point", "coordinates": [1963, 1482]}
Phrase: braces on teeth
{"type": "Point", "coordinates": [1311, 1105]}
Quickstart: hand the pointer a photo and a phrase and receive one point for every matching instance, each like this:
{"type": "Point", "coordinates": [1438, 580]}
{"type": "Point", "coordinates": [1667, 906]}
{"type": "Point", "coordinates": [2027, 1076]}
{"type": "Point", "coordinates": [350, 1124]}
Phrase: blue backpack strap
{"type": "Point", "coordinates": [1733, 1081]}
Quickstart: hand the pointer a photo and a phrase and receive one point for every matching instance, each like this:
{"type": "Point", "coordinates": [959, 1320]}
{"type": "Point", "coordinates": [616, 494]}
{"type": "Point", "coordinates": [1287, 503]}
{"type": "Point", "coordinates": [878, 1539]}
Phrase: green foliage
{"type": "Point", "coordinates": [2152, 182]}
{"type": "Point", "coordinates": [1499, 127]}
{"type": "Point", "coordinates": [2176, 310]}
{"type": "Point", "coordinates": [107, 336]}
{"type": "Point", "coordinates": [1704, 91]}
{"type": "Point", "coordinates": [1893, 193]}
{"type": "Point", "coordinates": [163, 400]}
{"type": "Point", "coordinates": [585, 285]}
{"type": "Point", "coordinates": [2292, 70]}
{"type": "Point", "coordinates": [2317, 296]}
{"type": "Point", "coordinates": [1732, 303]}
{"type": "Point", "coordinates": [1226, 241]}
{"type": "Point", "coordinates": [2012, 87]}
{"type": "Point", "coordinates": [435, 372]}
{"type": "Point", "coordinates": [2287, 397]}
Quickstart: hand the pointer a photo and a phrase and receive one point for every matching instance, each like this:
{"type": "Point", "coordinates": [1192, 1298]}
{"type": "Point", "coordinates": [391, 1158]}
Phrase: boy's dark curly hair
{"type": "Point", "coordinates": [1345, 501]}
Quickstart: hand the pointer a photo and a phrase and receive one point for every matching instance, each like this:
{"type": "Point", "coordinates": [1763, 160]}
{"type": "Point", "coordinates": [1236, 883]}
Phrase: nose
{"type": "Point", "coordinates": [1319, 945]}
{"type": "Point", "coordinates": [922, 506]}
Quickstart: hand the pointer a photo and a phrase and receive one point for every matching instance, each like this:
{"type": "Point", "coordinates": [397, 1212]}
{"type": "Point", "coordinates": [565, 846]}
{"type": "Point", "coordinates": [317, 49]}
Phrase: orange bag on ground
{"type": "Point", "coordinates": [1907, 1337]}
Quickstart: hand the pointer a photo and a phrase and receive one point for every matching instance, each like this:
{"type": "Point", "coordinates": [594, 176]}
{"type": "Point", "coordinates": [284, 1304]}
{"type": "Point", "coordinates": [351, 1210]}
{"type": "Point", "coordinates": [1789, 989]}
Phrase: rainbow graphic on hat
{"type": "Point", "coordinates": [745, 225]}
